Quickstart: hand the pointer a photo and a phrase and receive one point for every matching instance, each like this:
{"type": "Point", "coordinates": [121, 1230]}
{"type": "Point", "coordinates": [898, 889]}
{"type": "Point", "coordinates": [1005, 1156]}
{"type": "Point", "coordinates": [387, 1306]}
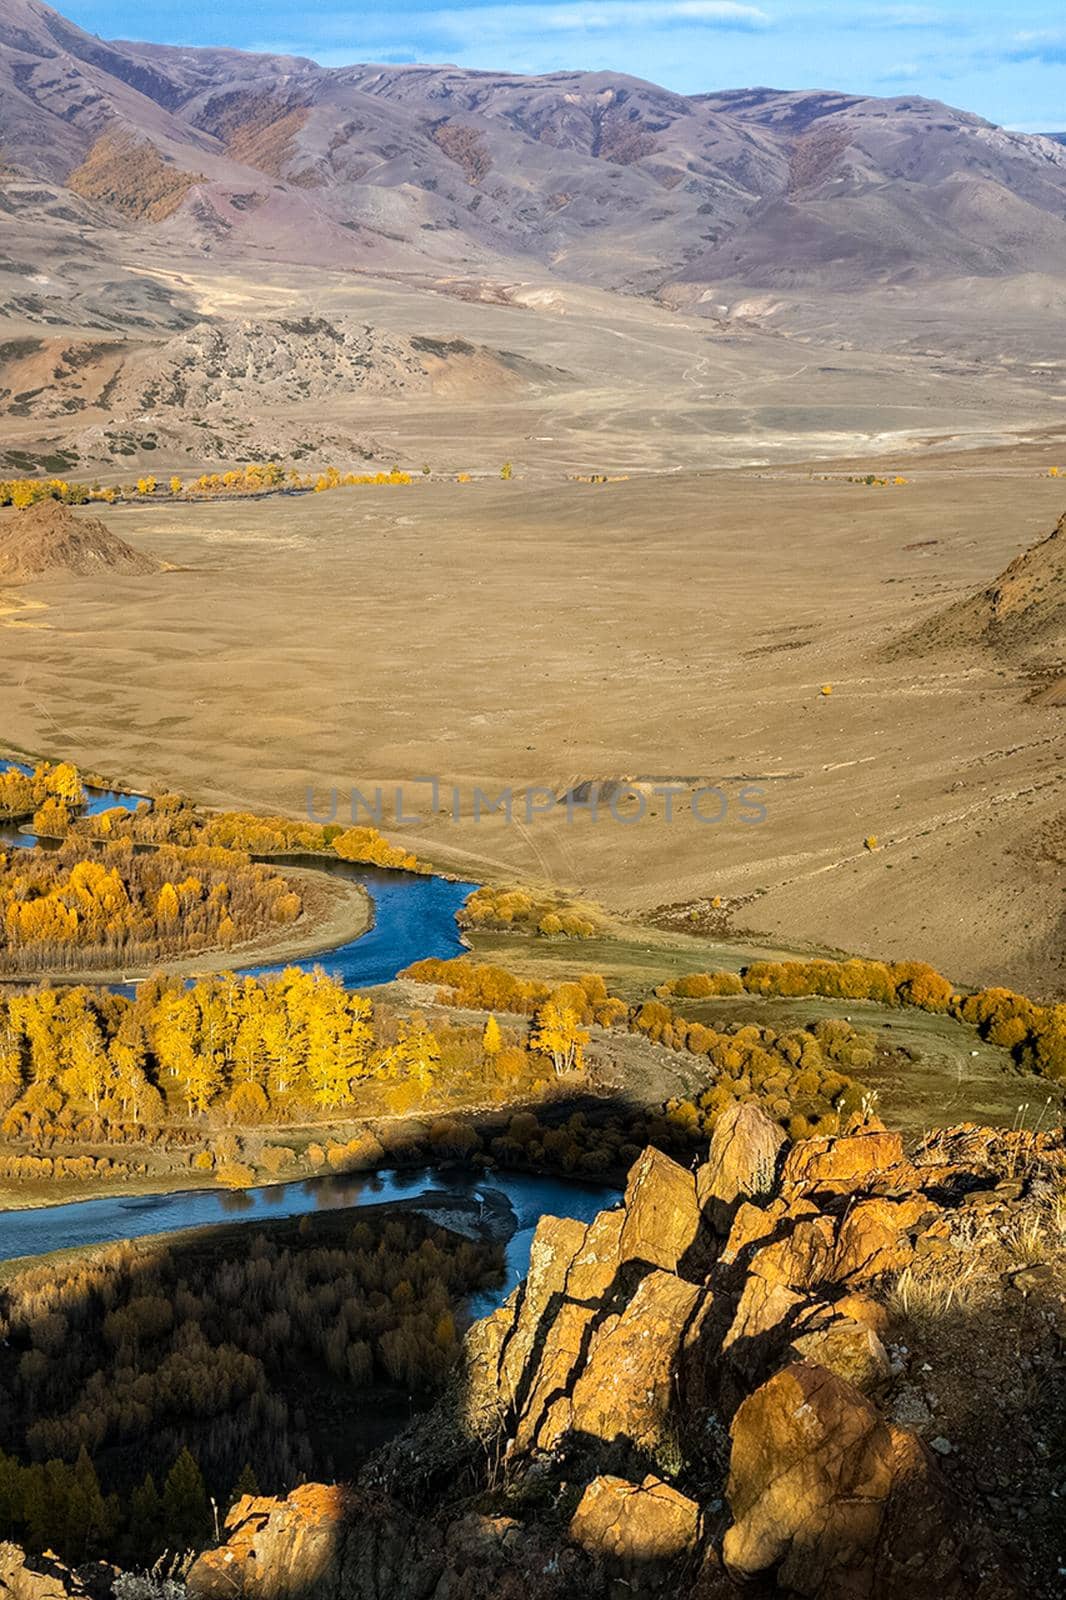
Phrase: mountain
{"type": "Point", "coordinates": [213, 255]}
{"type": "Point", "coordinates": [597, 177]}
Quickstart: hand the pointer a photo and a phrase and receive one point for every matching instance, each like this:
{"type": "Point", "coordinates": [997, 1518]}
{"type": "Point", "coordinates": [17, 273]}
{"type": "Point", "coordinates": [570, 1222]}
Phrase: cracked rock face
{"type": "Point", "coordinates": [586, 1446]}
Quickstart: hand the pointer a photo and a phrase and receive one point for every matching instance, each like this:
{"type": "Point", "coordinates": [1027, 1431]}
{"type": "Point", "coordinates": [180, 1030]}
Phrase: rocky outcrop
{"type": "Point", "coordinates": [834, 1501]}
{"type": "Point", "coordinates": [45, 1578]}
{"type": "Point", "coordinates": [683, 1396]}
{"type": "Point", "coordinates": [742, 1164]}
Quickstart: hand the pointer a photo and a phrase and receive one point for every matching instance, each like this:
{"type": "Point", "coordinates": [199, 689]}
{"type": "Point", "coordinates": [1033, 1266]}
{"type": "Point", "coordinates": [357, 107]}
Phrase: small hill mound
{"type": "Point", "coordinates": [1021, 615]}
{"type": "Point", "coordinates": [47, 538]}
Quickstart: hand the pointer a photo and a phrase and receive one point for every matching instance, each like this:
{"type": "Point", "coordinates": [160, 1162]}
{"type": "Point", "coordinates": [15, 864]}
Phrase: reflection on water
{"type": "Point", "coordinates": [117, 1217]}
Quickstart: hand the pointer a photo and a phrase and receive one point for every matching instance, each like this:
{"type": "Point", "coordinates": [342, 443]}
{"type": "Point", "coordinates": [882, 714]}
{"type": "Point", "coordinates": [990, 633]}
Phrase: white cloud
{"type": "Point", "coordinates": [475, 24]}
{"type": "Point", "coordinates": [590, 15]}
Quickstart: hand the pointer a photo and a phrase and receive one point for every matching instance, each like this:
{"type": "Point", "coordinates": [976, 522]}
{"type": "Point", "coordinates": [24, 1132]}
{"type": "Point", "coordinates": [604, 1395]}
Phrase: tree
{"type": "Point", "coordinates": [492, 1038]}
{"type": "Point", "coordinates": [247, 1484]}
{"type": "Point", "coordinates": [506, 471]}
{"type": "Point", "coordinates": [145, 1513]}
{"type": "Point", "coordinates": [186, 1516]}
{"type": "Point", "coordinates": [415, 1054]}
{"type": "Point", "coordinates": [557, 1032]}
{"type": "Point", "coordinates": [65, 783]}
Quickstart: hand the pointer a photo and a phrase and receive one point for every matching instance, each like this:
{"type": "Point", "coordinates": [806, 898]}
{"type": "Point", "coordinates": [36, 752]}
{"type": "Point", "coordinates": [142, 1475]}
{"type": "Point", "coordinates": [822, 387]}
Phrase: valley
{"type": "Point", "coordinates": [532, 830]}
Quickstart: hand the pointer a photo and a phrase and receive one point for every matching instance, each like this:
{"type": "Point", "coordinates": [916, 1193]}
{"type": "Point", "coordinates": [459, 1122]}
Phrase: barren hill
{"type": "Point", "coordinates": [1021, 615]}
{"type": "Point", "coordinates": [48, 538]}
{"type": "Point", "coordinates": [176, 208]}
{"type": "Point", "coordinates": [249, 364]}
{"type": "Point", "coordinates": [598, 176]}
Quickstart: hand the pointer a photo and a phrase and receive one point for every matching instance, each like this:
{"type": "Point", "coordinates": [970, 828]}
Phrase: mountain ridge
{"type": "Point", "coordinates": [594, 176]}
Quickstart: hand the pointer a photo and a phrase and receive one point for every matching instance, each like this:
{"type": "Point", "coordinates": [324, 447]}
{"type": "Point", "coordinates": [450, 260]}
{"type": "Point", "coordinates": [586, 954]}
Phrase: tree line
{"type": "Point", "coordinates": [170, 819]}
{"type": "Point", "coordinates": [66, 910]}
{"type": "Point", "coordinates": [1034, 1034]}
{"type": "Point", "coordinates": [141, 1380]}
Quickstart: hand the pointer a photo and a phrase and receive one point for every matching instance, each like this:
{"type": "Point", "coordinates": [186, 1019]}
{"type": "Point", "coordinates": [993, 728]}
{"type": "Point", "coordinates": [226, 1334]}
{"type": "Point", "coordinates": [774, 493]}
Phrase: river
{"type": "Point", "coordinates": [413, 917]}
{"type": "Point", "coordinates": [116, 1217]}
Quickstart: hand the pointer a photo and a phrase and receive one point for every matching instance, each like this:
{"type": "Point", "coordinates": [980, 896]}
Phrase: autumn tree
{"type": "Point", "coordinates": [557, 1032]}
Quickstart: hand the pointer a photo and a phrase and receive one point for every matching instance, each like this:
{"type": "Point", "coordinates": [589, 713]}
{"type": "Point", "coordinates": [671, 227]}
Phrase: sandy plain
{"type": "Point", "coordinates": [548, 633]}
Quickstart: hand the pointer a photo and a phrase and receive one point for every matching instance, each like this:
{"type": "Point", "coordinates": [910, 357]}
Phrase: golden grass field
{"type": "Point", "coordinates": [544, 632]}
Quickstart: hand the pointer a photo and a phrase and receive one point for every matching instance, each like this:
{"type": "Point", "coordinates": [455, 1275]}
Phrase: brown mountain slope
{"type": "Point", "coordinates": [48, 539]}
{"type": "Point", "coordinates": [596, 176]}
{"type": "Point", "coordinates": [1021, 615]}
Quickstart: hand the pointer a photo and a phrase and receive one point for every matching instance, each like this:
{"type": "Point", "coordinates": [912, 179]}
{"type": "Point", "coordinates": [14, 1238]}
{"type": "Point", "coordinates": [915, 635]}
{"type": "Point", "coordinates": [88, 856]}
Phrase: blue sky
{"type": "Point", "coordinates": [1007, 62]}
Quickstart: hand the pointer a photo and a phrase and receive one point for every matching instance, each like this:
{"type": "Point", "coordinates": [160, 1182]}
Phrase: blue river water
{"type": "Point", "coordinates": [116, 1217]}
{"type": "Point", "coordinates": [414, 917]}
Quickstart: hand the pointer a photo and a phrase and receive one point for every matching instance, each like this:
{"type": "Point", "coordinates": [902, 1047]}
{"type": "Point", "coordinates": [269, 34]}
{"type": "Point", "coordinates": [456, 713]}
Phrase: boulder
{"type": "Point", "coordinates": [741, 1164]}
{"type": "Point", "coordinates": [866, 1162]}
{"type": "Point", "coordinates": [836, 1503]}
{"type": "Point", "coordinates": [809, 1473]}
{"type": "Point", "coordinates": [278, 1548]}
{"type": "Point", "coordinates": [638, 1531]}
{"type": "Point", "coordinates": [863, 1308]}
{"type": "Point", "coordinates": [661, 1212]}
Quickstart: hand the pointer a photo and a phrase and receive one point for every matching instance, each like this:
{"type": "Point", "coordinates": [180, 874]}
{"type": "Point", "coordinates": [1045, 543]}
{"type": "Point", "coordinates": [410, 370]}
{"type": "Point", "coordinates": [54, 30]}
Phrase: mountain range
{"type": "Point", "coordinates": [596, 176]}
{"type": "Point", "coordinates": [135, 177]}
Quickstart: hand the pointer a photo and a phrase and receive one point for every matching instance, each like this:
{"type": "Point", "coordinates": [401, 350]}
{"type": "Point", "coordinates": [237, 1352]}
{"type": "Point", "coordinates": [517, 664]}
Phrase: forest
{"type": "Point", "coordinates": [180, 1064]}
{"type": "Point", "coordinates": [22, 794]}
{"type": "Point", "coordinates": [139, 1382]}
{"type": "Point", "coordinates": [171, 820]}
{"type": "Point", "coordinates": [68, 910]}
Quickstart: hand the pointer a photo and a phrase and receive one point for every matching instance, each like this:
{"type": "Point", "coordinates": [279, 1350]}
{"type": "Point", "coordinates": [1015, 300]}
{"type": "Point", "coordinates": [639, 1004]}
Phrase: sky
{"type": "Point", "coordinates": [1006, 62]}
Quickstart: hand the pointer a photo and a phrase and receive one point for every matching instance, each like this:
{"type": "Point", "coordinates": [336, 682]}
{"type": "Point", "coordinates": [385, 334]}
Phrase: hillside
{"type": "Point", "coordinates": [824, 1371]}
{"type": "Point", "coordinates": [48, 539]}
{"type": "Point", "coordinates": [596, 176]}
{"type": "Point", "coordinates": [460, 236]}
{"type": "Point", "coordinates": [1021, 615]}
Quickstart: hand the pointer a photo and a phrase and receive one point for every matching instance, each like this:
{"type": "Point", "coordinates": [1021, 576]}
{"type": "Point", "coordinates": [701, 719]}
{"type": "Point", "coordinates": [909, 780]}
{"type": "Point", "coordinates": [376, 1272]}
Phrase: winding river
{"type": "Point", "coordinates": [525, 1197]}
{"type": "Point", "coordinates": [413, 917]}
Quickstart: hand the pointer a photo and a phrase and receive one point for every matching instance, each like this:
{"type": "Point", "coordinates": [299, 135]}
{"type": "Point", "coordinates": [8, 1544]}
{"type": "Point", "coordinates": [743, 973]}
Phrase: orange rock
{"type": "Point", "coordinates": [839, 1505]}
{"type": "Point", "coordinates": [741, 1164]}
{"type": "Point", "coordinates": [870, 1161]}
{"type": "Point", "coordinates": [873, 1238]}
{"type": "Point", "coordinates": [275, 1547]}
{"type": "Point", "coordinates": [846, 1347]}
{"type": "Point", "coordinates": [864, 1308]}
{"type": "Point", "coordinates": [635, 1526]}
{"type": "Point", "coordinates": [810, 1471]}
{"type": "Point", "coordinates": [662, 1215]}
{"type": "Point", "coordinates": [627, 1387]}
